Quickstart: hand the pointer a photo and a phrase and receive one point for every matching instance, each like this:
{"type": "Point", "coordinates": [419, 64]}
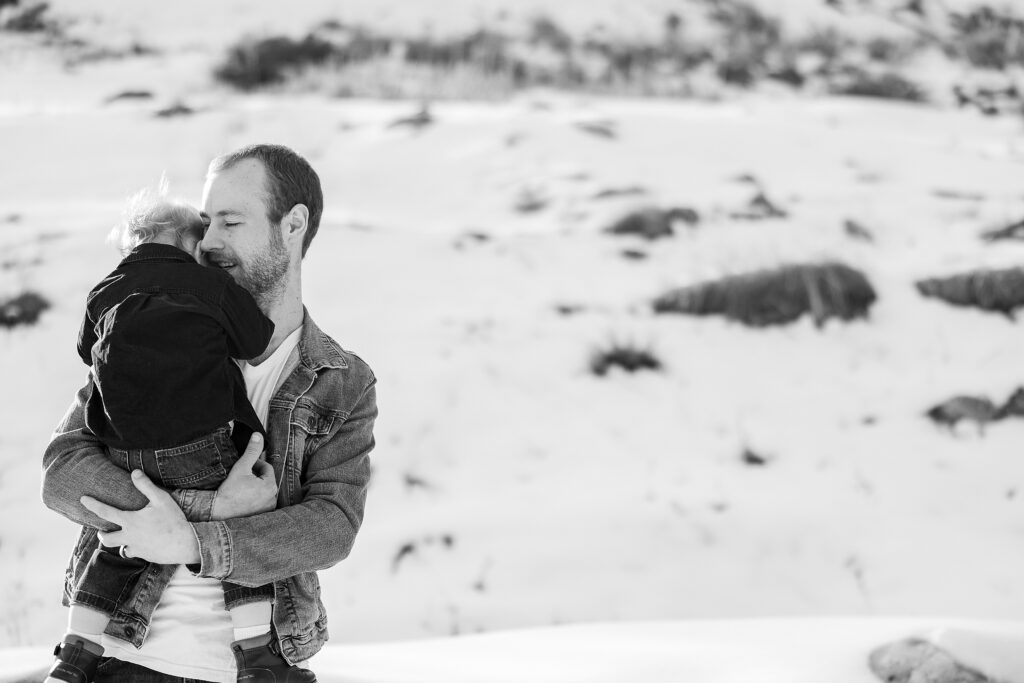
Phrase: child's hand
{"type": "Point", "coordinates": [250, 488]}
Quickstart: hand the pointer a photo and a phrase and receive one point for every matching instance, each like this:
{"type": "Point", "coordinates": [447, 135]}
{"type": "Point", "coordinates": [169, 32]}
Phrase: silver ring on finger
{"type": "Point", "coordinates": [124, 552]}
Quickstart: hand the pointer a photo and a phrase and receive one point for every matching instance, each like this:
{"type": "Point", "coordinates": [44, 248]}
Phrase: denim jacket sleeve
{"type": "Point", "coordinates": [315, 533]}
{"type": "Point", "coordinates": [75, 465]}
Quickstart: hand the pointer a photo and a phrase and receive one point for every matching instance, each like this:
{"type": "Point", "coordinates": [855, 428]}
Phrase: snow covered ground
{"type": "Point", "coordinates": [531, 492]}
{"type": "Point", "coordinates": [713, 651]}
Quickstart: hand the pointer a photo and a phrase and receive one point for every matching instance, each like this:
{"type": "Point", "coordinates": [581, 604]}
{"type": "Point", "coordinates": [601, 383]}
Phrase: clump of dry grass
{"type": "Point", "coordinates": [32, 18]}
{"type": "Point", "coordinates": [627, 357]}
{"type": "Point", "coordinates": [651, 222]}
{"type": "Point", "coordinates": [256, 62]}
{"type": "Point", "coordinates": [777, 297]}
{"type": "Point", "coordinates": [1000, 290]}
{"type": "Point", "coordinates": [886, 85]}
{"type": "Point", "coordinates": [23, 309]}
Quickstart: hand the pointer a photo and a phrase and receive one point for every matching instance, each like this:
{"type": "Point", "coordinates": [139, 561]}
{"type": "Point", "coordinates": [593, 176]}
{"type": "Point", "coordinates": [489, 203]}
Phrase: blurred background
{"type": "Point", "coordinates": [678, 308]}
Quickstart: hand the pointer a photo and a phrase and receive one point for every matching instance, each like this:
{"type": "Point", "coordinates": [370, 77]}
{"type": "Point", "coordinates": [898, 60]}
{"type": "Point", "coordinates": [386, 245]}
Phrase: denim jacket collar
{"type": "Point", "coordinates": [316, 350]}
{"type": "Point", "coordinates": [154, 251]}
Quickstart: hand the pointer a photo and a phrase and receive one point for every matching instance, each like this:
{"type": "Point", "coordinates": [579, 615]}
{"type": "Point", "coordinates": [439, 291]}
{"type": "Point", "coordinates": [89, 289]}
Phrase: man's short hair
{"type": "Point", "coordinates": [290, 181]}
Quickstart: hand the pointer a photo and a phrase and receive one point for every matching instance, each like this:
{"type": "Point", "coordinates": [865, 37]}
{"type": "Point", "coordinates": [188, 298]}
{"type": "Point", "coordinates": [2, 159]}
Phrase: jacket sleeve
{"type": "Point", "coordinates": [75, 465]}
{"type": "Point", "coordinates": [249, 331]}
{"type": "Point", "coordinates": [316, 533]}
{"type": "Point", "coordinates": [86, 338]}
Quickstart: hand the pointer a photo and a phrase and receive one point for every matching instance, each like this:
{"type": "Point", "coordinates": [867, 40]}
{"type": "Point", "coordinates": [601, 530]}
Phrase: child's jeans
{"type": "Point", "coordinates": [201, 464]}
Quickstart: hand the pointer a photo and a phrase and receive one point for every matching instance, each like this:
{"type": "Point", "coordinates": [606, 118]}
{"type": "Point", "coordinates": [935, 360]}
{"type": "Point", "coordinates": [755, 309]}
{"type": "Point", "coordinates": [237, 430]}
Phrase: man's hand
{"type": "Point", "coordinates": [157, 533]}
{"type": "Point", "coordinates": [250, 487]}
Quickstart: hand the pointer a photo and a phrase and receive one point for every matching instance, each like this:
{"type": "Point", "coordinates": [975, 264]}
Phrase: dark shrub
{"type": "Point", "coordinates": [748, 41]}
{"type": "Point", "coordinates": [625, 191]}
{"type": "Point", "coordinates": [23, 309]}
{"type": "Point", "coordinates": [1013, 231]}
{"type": "Point", "coordinates": [777, 297]}
{"type": "Point", "coordinates": [760, 208]}
{"type": "Point", "coordinates": [753, 458]}
{"type": "Point", "coordinates": [132, 95]}
{"type": "Point", "coordinates": [569, 309]}
{"type": "Point", "coordinates": [253, 63]}
{"type": "Point", "coordinates": [828, 44]}
{"type": "Point", "coordinates": [421, 119]}
{"type": "Point", "coordinates": [988, 38]}
{"type": "Point", "coordinates": [602, 129]}
{"type": "Point", "coordinates": [856, 231]}
{"type": "Point", "coordinates": [486, 49]}
{"type": "Point", "coordinates": [888, 50]}
{"type": "Point", "coordinates": [173, 111]}
{"type": "Point", "coordinates": [887, 86]}
{"type": "Point", "coordinates": [977, 409]}
{"type": "Point", "coordinates": [531, 200]}
{"type": "Point", "coordinates": [544, 31]}
{"type": "Point", "coordinates": [629, 358]}
{"type": "Point", "coordinates": [1014, 405]}
{"type": "Point", "coordinates": [31, 19]}
{"type": "Point", "coordinates": [1001, 291]}
{"type": "Point", "coordinates": [652, 223]}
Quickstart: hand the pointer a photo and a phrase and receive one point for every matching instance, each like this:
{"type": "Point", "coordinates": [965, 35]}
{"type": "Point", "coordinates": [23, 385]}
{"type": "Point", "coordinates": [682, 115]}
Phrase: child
{"type": "Point", "coordinates": [160, 333]}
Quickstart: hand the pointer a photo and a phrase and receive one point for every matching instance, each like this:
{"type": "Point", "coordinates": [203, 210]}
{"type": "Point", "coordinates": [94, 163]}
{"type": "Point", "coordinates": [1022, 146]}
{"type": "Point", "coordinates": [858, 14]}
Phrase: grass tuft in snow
{"type": "Point", "coordinates": [627, 357]}
{"type": "Point", "coordinates": [652, 223]}
{"type": "Point", "coordinates": [977, 409]}
{"type": "Point", "coordinates": [1000, 291]}
{"type": "Point", "coordinates": [886, 86]}
{"type": "Point", "coordinates": [980, 410]}
{"type": "Point", "coordinates": [23, 309]}
{"type": "Point", "coordinates": [1013, 231]}
{"type": "Point", "coordinates": [777, 297]}
{"type": "Point", "coordinates": [256, 62]}
{"type": "Point", "coordinates": [988, 37]}
{"type": "Point", "coordinates": [29, 19]}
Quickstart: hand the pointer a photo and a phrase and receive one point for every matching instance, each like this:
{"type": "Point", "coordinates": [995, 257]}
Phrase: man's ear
{"type": "Point", "coordinates": [295, 221]}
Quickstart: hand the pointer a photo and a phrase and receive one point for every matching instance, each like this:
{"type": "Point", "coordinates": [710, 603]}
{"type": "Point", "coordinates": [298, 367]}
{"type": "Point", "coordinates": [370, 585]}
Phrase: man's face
{"type": "Point", "coordinates": [240, 237]}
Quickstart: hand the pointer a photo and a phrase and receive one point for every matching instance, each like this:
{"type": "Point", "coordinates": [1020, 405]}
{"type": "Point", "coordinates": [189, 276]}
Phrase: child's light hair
{"type": "Point", "coordinates": [151, 212]}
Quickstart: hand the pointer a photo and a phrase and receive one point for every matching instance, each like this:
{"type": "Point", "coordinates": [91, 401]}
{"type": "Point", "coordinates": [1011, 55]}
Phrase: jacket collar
{"type": "Point", "coordinates": [316, 349]}
{"type": "Point", "coordinates": [154, 251]}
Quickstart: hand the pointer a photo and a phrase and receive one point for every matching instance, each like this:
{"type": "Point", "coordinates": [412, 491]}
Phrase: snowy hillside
{"type": "Point", "coordinates": [466, 261]}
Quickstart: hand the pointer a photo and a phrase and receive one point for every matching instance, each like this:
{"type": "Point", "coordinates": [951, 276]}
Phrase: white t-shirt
{"type": "Point", "coordinates": [190, 634]}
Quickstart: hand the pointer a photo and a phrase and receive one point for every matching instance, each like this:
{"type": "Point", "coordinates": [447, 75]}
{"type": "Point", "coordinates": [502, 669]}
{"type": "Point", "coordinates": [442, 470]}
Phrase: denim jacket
{"type": "Point", "coordinates": [320, 428]}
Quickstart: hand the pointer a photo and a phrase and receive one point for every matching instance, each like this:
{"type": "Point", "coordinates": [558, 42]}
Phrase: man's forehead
{"type": "Point", "coordinates": [235, 188]}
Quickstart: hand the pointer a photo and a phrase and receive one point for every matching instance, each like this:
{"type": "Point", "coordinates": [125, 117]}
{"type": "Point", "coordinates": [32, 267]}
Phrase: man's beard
{"type": "Point", "coordinates": [265, 275]}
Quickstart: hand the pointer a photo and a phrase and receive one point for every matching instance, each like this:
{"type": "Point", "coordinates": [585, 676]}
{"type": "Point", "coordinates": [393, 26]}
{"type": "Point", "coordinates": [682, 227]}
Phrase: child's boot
{"type": "Point", "coordinates": [259, 661]}
{"type": "Point", "coordinates": [77, 659]}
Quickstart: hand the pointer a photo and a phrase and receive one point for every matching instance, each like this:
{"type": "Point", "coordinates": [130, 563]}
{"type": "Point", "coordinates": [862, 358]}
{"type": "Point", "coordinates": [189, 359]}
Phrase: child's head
{"type": "Point", "coordinates": [151, 216]}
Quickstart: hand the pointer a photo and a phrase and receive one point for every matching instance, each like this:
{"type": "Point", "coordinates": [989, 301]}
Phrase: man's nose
{"type": "Point", "coordinates": [211, 240]}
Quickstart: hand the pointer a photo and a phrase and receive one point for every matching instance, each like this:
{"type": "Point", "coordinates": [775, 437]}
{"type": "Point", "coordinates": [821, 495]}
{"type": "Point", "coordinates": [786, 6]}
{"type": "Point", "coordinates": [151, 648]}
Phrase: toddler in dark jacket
{"type": "Point", "coordinates": [160, 334]}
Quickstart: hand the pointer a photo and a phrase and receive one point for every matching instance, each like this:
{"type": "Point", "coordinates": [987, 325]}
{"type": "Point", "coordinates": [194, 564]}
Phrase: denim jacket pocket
{"type": "Point", "coordinates": [312, 424]}
{"type": "Point", "coordinates": [193, 466]}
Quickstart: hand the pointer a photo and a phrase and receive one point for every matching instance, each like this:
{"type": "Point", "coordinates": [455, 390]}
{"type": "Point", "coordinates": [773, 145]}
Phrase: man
{"type": "Point", "coordinates": [274, 521]}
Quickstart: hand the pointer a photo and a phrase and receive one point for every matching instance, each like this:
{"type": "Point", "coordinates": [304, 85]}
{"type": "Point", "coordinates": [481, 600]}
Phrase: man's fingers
{"type": "Point", "coordinates": [251, 454]}
{"type": "Point", "coordinates": [101, 510]}
{"type": "Point", "coordinates": [145, 485]}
